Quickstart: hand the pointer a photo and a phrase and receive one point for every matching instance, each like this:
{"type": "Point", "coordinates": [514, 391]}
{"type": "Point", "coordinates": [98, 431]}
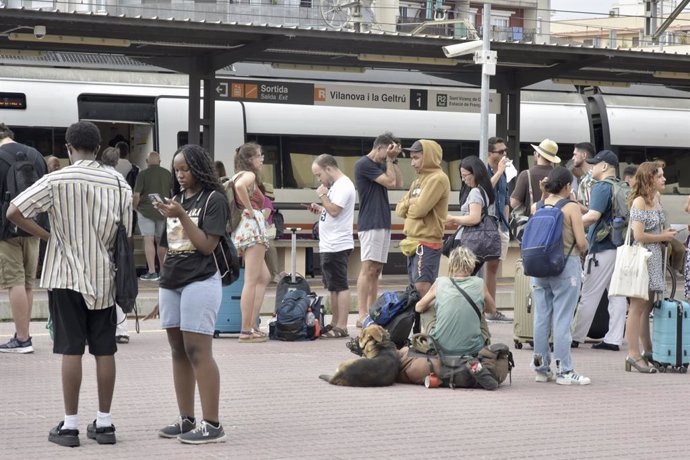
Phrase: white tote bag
{"type": "Point", "coordinates": [630, 274]}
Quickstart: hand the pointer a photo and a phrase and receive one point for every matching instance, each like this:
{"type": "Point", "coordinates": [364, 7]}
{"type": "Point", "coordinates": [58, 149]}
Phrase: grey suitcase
{"type": "Point", "coordinates": [523, 308]}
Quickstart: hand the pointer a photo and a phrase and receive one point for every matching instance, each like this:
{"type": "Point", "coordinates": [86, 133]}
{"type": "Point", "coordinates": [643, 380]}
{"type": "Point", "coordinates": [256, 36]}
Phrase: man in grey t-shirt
{"type": "Point", "coordinates": [375, 173]}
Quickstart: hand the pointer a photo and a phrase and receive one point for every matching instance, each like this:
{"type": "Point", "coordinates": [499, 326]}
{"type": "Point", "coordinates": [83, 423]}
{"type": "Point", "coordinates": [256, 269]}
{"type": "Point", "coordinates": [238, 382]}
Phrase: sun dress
{"type": "Point", "coordinates": [653, 220]}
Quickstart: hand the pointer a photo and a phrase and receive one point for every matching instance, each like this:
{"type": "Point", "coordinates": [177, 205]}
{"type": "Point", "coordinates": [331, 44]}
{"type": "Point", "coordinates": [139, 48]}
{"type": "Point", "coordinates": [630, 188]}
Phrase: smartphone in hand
{"type": "Point", "coordinates": [156, 198]}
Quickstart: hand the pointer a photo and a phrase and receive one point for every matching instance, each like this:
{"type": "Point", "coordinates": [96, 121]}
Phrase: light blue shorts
{"type": "Point", "coordinates": [192, 308]}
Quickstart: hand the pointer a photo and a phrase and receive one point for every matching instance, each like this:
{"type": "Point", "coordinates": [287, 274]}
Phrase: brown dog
{"type": "Point", "coordinates": [378, 366]}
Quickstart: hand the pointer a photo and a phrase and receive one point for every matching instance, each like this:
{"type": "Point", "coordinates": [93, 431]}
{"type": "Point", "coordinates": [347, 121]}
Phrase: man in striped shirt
{"type": "Point", "coordinates": [84, 203]}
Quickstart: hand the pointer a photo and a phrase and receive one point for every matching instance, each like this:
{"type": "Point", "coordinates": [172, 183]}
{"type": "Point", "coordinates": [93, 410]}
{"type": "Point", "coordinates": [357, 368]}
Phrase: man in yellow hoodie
{"type": "Point", "coordinates": [424, 209]}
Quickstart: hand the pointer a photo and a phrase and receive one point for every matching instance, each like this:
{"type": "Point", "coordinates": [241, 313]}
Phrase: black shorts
{"type": "Point", "coordinates": [75, 325]}
{"type": "Point", "coordinates": [334, 270]}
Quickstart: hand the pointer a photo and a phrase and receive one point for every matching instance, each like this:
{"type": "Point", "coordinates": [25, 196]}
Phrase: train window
{"type": "Point", "coordinates": [13, 101]}
{"type": "Point", "coordinates": [48, 141]}
{"type": "Point", "coordinates": [674, 160]}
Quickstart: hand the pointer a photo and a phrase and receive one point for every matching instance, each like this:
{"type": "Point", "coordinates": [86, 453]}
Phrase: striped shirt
{"type": "Point", "coordinates": [84, 206]}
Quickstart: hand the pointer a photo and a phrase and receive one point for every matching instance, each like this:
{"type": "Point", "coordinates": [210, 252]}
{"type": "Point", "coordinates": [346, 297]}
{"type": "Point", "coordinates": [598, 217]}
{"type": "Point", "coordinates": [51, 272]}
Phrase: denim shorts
{"type": "Point", "coordinates": [192, 308]}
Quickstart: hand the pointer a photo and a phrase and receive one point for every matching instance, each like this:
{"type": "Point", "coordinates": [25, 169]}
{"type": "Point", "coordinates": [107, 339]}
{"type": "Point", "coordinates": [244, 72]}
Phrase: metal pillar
{"type": "Point", "coordinates": [484, 101]}
{"type": "Point", "coordinates": [508, 122]}
{"type": "Point", "coordinates": [196, 123]}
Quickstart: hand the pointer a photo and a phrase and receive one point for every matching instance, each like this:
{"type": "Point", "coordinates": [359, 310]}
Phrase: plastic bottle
{"type": "Point", "coordinates": [310, 319]}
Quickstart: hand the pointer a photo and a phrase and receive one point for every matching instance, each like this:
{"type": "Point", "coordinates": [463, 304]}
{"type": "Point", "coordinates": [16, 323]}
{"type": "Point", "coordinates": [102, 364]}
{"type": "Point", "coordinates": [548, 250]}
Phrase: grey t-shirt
{"type": "Point", "coordinates": [476, 195]}
{"type": "Point", "coordinates": [374, 209]}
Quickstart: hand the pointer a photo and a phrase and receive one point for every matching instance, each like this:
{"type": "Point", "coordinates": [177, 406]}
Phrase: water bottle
{"type": "Point", "coordinates": [310, 319]}
{"type": "Point", "coordinates": [617, 234]}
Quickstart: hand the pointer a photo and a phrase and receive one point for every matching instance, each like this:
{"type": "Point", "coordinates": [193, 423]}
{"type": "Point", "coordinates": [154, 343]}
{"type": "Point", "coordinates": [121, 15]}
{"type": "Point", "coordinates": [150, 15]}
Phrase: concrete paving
{"type": "Point", "coordinates": [273, 406]}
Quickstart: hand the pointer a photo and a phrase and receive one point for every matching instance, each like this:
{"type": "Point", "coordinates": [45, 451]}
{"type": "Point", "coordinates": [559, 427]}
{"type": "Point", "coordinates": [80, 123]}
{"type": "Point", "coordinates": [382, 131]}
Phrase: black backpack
{"type": "Point", "coordinates": [400, 326]}
{"type": "Point", "coordinates": [20, 176]}
{"type": "Point", "coordinates": [290, 324]}
{"type": "Point", "coordinates": [131, 176]}
{"type": "Point", "coordinates": [126, 283]}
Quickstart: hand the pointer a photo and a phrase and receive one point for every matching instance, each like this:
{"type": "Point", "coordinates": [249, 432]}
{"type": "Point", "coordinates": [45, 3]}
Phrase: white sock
{"type": "Point", "coordinates": [71, 422]}
{"type": "Point", "coordinates": [103, 419]}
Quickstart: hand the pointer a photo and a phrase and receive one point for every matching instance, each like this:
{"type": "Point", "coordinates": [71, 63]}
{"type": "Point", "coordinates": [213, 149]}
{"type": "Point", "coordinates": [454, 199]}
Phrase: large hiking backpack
{"type": "Point", "coordinates": [620, 213]}
{"type": "Point", "coordinates": [395, 312]}
{"type": "Point", "coordinates": [20, 176]}
{"type": "Point", "coordinates": [290, 324]}
{"type": "Point", "coordinates": [542, 241]}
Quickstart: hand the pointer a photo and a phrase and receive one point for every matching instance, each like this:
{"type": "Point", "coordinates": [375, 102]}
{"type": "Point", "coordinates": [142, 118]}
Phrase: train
{"type": "Point", "coordinates": [341, 116]}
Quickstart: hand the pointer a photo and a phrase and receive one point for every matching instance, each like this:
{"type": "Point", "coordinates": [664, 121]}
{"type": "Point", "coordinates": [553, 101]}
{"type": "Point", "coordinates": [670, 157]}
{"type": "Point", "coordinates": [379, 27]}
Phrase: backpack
{"type": "Point", "coordinates": [279, 223]}
{"type": "Point", "coordinates": [542, 241]}
{"type": "Point", "coordinates": [20, 176]}
{"type": "Point", "coordinates": [290, 324]}
{"type": "Point", "coordinates": [387, 306]}
{"type": "Point", "coordinates": [235, 211]}
{"type": "Point", "coordinates": [396, 310]}
{"type": "Point", "coordinates": [126, 282]}
{"type": "Point", "coordinates": [225, 255]}
{"type": "Point", "coordinates": [620, 213]}
{"type": "Point", "coordinates": [131, 176]}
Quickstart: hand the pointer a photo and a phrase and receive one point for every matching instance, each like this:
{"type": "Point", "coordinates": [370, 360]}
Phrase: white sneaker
{"type": "Point", "coordinates": [572, 378]}
{"type": "Point", "coordinates": [542, 377]}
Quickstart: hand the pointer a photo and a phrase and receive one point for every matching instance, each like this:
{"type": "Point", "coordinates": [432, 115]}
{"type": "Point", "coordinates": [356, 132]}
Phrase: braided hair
{"type": "Point", "coordinates": [201, 166]}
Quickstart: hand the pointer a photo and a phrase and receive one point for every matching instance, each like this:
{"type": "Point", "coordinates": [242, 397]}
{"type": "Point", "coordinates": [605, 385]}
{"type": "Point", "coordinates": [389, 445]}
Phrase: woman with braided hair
{"type": "Point", "coordinates": [191, 291]}
{"type": "Point", "coordinates": [251, 237]}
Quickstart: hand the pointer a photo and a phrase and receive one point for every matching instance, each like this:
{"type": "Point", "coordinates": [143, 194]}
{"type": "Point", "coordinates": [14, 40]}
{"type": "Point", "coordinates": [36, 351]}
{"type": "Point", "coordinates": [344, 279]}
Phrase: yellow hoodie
{"type": "Point", "coordinates": [425, 217]}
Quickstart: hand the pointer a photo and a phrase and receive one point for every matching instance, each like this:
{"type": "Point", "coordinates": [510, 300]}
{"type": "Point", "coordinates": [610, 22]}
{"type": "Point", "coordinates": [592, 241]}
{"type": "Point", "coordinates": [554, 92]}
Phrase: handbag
{"type": "Point", "coordinates": [630, 273]}
{"type": "Point", "coordinates": [225, 255]}
{"type": "Point", "coordinates": [520, 215]}
{"type": "Point", "coordinates": [483, 239]}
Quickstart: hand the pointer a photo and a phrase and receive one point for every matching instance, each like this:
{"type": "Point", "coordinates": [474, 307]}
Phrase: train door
{"type": "Point", "coordinates": [598, 119]}
{"type": "Point", "coordinates": [122, 118]}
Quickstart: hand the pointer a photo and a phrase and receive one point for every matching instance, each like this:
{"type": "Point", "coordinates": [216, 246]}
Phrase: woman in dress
{"type": "Point", "coordinates": [646, 223]}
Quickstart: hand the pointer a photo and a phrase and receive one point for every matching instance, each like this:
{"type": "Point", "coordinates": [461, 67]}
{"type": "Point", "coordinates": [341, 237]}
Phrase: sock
{"type": "Point", "coordinates": [71, 422]}
{"type": "Point", "coordinates": [191, 419]}
{"type": "Point", "coordinates": [103, 419]}
{"type": "Point", "coordinates": [214, 424]}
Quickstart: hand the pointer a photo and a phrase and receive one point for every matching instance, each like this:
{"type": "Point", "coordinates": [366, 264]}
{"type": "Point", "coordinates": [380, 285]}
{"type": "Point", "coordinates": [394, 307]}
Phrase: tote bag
{"type": "Point", "coordinates": [483, 239]}
{"type": "Point", "coordinates": [630, 274]}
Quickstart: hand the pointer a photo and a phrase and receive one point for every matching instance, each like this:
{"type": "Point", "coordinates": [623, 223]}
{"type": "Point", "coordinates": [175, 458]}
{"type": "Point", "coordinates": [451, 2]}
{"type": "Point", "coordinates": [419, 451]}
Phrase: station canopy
{"type": "Point", "coordinates": [179, 44]}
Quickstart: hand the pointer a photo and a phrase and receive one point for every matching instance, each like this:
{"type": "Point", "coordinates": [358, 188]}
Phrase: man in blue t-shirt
{"type": "Point", "coordinates": [600, 259]}
{"type": "Point", "coordinates": [375, 173]}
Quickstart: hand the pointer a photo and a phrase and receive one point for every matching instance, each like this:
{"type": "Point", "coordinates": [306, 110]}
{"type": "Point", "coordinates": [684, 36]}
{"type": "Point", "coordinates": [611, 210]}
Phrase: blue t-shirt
{"type": "Point", "coordinates": [374, 207]}
{"type": "Point", "coordinates": [600, 200]}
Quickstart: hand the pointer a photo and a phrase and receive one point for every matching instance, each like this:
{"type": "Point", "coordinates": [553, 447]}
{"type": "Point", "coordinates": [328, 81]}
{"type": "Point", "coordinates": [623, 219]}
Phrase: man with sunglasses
{"type": "Point", "coordinates": [497, 161]}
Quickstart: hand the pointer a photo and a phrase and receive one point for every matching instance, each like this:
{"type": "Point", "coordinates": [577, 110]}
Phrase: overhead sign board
{"type": "Point", "coordinates": [344, 95]}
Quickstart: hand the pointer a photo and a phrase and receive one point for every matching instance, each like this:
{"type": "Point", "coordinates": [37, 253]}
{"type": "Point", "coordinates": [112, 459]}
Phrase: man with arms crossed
{"type": "Point", "coordinates": [375, 173]}
{"type": "Point", "coordinates": [84, 203]}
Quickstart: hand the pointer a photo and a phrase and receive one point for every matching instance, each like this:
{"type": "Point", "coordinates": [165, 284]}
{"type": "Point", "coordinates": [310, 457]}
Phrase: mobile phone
{"type": "Point", "coordinates": [155, 198]}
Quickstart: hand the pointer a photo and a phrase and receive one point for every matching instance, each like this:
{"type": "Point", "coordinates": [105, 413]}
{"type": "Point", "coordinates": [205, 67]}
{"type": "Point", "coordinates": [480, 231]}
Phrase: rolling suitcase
{"type": "Point", "coordinates": [671, 331]}
{"type": "Point", "coordinates": [229, 318]}
{"type": "Point", "coordinates": [292, 281]}
{"type": "Point", "coordinates": [523, 308]}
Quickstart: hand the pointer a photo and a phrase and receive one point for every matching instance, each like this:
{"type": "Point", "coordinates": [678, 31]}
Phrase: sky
{"type": "Point", "coordinates": [597, 6]}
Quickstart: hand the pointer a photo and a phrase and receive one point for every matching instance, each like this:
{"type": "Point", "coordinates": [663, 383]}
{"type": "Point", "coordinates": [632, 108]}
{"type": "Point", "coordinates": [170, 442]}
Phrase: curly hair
{"type": "Point", "coordinates": [83, 135]}
{"type": "Point", "coordinates": [461, 261]}
{"type": "Point", "coordinates": [201, 166]}
{"type": "Point", "coordinates": [644, 182]}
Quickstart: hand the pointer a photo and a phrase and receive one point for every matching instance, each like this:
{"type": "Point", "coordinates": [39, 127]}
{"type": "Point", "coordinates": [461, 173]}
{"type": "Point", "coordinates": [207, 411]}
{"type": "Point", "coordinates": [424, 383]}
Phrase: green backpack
{"type": "Point", "coordinates": [620, 213]}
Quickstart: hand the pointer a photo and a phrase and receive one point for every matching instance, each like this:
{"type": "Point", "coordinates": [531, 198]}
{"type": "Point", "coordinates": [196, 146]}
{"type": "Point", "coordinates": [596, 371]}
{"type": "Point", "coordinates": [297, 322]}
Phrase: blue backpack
{"type": "Point", "coordinates": [542, 241]}
{"type": "Point", "coordinates": [290, 315]}
{"type": "Point", "coordinates": [387, 306]}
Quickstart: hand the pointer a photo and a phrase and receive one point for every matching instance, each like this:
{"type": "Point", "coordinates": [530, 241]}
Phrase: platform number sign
{"type": "Point", "coordinates": [441, 100]}
{"type": "Point", "coordinates": [418, 99]}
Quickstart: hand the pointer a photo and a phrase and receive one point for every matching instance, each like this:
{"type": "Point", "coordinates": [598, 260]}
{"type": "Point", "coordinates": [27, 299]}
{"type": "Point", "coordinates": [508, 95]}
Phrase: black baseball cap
{"type": "Point", "coordinates": [416, 147]}
{"type": "Point", "coordinates": [606, 156]}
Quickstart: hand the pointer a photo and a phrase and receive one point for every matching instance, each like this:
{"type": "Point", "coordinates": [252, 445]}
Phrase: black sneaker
{"type": "Point", "coordinates": [204, 433]}
{"type": "Point", "coordinates": [606, 346]}
{"type": "Point", "coordinates": [15, 346]}
{"type": "Point", "coordinates": [574, 344]}
{"type": "Point", "coordinates": [102, 435]}
{"type": "Point", "coordinates": [67, 438]}
{"type": "Point", "coordinates": [180, 426]}
{"type": "Point", "coordinates": [150, 277]}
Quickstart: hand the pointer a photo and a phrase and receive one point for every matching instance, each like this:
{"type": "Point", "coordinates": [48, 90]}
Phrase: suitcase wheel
{"type": "Point", "coordinates": [216, 334]}
{"type": "Point", "coordinates": [531, 344]}
{"type": "Point", "coordinates": [518, 345]}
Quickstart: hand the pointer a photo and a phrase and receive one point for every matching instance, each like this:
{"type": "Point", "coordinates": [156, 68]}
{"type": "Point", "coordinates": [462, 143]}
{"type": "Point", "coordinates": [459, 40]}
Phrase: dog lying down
{"type": "Point", "coordinates": [378, 366]}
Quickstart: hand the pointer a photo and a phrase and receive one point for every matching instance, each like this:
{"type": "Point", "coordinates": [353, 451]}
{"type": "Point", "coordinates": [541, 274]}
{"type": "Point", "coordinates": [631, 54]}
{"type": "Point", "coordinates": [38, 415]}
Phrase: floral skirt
{"type": "Point", "coordinates": [250, 231]}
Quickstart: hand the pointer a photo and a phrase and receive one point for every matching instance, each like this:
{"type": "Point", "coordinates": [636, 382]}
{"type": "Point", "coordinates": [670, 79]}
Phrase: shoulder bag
{"type": "Point", "coordinates": [126, 283]}
{"type": "Point", "coordinates": [520, 215]}
{"type": "Point", "coordinates": [630, 273]}
{"type": "Point", "coordinates": [225, 255]}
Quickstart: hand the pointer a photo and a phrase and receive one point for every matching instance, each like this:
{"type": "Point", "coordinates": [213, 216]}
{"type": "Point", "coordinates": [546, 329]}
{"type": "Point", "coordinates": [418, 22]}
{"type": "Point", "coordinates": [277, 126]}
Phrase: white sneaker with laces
{"type": "Point", "coordinates": [572, 378]}
{"type": "Point", "coordinates": [542, 377]}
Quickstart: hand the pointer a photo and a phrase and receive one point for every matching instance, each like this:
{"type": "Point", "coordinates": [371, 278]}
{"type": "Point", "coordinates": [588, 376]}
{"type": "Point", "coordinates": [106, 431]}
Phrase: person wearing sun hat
{"type": "Point", "coordinates": [546, 156]}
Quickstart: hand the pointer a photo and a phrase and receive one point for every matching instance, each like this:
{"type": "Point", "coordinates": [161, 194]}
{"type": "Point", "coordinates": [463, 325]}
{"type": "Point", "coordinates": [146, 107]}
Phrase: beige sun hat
{"type": "Point", "coordinates": [548, 149]}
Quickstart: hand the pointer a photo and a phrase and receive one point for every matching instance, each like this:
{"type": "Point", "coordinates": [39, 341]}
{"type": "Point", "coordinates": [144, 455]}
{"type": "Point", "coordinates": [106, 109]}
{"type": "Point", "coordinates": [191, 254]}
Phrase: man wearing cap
{"type": "Point", "coordinates": [600, 258]}
{"type": "Point", "coordinates": [375, 173]}
{"type": "Point", "coordinates": [546, 155]}
{"type": "Point", "coordinates": [424, 208]}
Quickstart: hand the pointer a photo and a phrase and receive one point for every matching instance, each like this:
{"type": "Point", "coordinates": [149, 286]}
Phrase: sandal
{"type": "Point", "coordinates": [251, 337]}
{"type": "Point", "coordinates": [258, 332]}
{"type": "Point", "coordinates": [335, 333]}
{"type": "Point", "coordinates": [325, 330]}
{"type": "Point", "coordinates": [122, 339]}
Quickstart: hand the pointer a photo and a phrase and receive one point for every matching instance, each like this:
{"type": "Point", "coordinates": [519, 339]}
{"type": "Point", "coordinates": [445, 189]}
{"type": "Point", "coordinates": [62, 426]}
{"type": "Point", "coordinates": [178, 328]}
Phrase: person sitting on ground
{"type": "Point", "coordinates": [447, 316]}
